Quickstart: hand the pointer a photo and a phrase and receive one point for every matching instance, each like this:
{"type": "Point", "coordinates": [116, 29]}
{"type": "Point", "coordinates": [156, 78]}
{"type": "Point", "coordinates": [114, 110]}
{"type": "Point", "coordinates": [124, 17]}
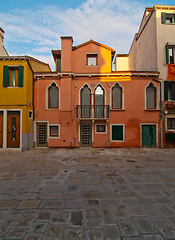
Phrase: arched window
{"type": "Point", "coordinates": [53, 96]}
{"type": "Point", "coordinates": [99, 102]}
{"type": "Point", "coordinates": [151, 97]}
{"type": "Point", "coordinates": [85, 101]}
{"type": "Point", "coordinates": [117, 97]}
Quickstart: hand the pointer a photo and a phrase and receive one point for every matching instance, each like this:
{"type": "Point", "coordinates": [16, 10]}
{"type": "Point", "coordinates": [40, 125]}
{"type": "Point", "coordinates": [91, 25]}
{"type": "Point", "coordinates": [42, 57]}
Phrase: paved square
{"type": "Point", "coordinates": [88, 194]}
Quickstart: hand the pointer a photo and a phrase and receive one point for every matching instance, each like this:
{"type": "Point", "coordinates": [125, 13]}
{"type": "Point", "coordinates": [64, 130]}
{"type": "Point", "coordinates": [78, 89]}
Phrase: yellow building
{"type": "Point", "coordinates": [16, 100]}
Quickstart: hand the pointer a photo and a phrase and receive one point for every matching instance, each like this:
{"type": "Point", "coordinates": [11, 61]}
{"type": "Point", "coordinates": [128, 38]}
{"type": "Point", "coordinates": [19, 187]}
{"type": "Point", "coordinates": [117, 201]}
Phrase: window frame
{"type": "Point", "coordinates": [169, 129]}
{"type": "Point", "coordinates": [54, 136]}
{"type": "Point", "coordinates": [7, 76]}
{"type": "Point", "coordinates": [121, 97]}
{"type": "Point", "coordinates": [48, 97]}
{"type": "Point", "coordinates": [123, 125]}
{"type": "Point", "coordinates": [100, 124]}
{"type": "Point", "coordinates": [30, 112]}
{"type": "Point", "coordinates": [155, 97]}
{"type": "Point", "coordinates": [93, 55]}
{"type": "Point", "coordinates": [165, 16]}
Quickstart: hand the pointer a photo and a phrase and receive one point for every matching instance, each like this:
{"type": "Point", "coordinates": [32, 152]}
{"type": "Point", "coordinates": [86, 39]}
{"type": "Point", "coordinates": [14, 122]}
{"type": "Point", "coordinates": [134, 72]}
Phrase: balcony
{"type": "Point", "coordinates": [92, 112]}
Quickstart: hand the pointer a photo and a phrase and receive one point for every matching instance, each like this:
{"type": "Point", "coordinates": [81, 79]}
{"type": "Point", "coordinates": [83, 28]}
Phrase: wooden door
{"type": "Point", "coordinates": [42, 134]}
{"type": "Point", "coordinates": [86, 134]}
{"type": "Point", "coordinates": [149, 136]}
{"type": "Point", "coordinates": [1, 129]}
{"type": "Point", "coordinates": [13, 129]}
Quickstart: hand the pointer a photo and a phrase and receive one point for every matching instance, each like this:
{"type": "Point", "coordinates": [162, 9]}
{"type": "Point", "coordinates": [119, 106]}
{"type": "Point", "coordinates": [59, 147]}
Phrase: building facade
{"type": "Point", "coordinates": [153, 49]}
{"type": "Point", "coordinates": [85, 103]}
{"type": "Point", "coordinates": [16, 101]}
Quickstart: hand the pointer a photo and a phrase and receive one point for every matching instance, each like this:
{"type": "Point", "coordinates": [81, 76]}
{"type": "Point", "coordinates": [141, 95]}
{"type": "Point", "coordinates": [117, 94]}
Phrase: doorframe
{"type": "Point", "coordinates": [5, 129]}
{"type": "Point", "coordinates": [143, 124]}
{"type": "Point", "coordinates": [35, 131]}
{"type": "Point", "coordinates": [79, 131]}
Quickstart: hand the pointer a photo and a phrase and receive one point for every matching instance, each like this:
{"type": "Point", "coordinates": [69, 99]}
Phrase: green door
{"type": "Point", "coordinates": [149, 136]}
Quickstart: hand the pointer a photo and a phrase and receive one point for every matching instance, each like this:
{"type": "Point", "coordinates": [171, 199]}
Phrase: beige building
{"type": "Point", "coordinates": [153, 49]}
{"type": "Point", "coordinates": [3, 52]}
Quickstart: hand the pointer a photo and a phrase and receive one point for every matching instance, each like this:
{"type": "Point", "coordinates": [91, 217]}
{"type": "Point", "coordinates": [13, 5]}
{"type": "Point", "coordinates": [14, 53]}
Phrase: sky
{"type": "Point", "coordinates": [34, 27]}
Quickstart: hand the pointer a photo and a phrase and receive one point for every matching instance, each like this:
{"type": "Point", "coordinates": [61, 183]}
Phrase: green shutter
{"type": "Point", "coordinates": [20, 76]}
{"type": "Point", "coordinates": [6, 76]}
{"type": "Point", "coordinates": [163, 17]}
{"type": "Point", "coordinates": [167, 53]}
{"type": "Point", "coordinates": [117, 132]}
{"type": "Point", "coordinates": [58, 64]}
{"type": "Point", "coordinates": [165, 90]}
{"type": "Point", "coordinates": [173, 90]}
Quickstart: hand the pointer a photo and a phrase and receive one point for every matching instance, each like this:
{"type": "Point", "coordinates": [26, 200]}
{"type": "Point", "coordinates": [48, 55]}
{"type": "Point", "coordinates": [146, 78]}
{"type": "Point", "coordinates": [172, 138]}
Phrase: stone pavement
{"type": "Point", "coordinates": [89, 194]}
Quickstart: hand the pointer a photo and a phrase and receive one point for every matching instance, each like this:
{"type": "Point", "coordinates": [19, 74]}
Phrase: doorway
{"type": "Point", "coordinates": [149, 136]}
{"type": "Point", "coordinates": [13, 129]}
{"type": "Point", "coordinates": [42, 134]}
{"type": "Point", "coordinates": [1, 129]}
{"type": "Point", "coordinates": [85, 134]}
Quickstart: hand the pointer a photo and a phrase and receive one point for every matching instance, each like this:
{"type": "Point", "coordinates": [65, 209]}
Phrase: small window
{"type": "Point", "coordinates": [170, 123]}
{"type": "Point", "coordinates": [151, 97]}
{"type": "Point", "coordinates": [30, 115]}
{"type": "Point", "coordinates": [13, 76]}
{"type": "Point", "coordinates": [92, 60]}
{"type": "Point", "coordinates": [167, 18]}
{"type": "Point", "coordinates": [101, 128]}
{"type": "Point", "coordinates": [117, 133]}
{"type": "Point", "coordinates": [54, 131]}
{"type": "Point", "coordinates": [169, 90]}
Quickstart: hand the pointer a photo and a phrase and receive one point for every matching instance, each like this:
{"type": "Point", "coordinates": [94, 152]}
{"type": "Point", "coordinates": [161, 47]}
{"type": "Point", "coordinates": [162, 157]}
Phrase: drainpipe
{"type": "Point", "coordinates": [161, 122]}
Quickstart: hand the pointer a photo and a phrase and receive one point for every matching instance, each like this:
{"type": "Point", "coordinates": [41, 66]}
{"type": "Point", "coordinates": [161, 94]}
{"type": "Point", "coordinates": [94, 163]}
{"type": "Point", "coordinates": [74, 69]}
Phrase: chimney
{"type": "Point", "coordinates": [66, 53]}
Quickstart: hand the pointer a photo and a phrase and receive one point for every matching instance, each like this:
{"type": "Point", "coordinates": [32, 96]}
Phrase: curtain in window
{"type": "Point", "coordinates": [53, 96]}
{"type": "Point", "coordinates": [116, 97]}
{"type": "Point", "coordinates": [150, 97]}
{"type": "Point", "coordinates": [99, 101]}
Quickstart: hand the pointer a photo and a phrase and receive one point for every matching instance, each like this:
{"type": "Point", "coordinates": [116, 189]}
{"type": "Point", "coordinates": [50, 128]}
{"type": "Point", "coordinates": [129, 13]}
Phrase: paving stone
{"type": "Point", "coordinates": [164, 227]}
{"type": "Point", "coordinates": [75, 204]}
{"type": "Point", "coordinates": [108, 216]}
{"type": "Point", "coordinates": [136, 211]}
{"type": "Point", "coordinates": [128, 228]}
{"type": "Point", "coordinates": [37, 227]}
{"type": "Point", "coordinates": [60, 216]}
{"type": "Point", "coordinates": [27, 196]}
{"type": "Point", "coordinates": [26, 218]}
{"type": "Point", "coordinates": [166, 211]}
{"type": "Point", "coordinates": [94, 234]}
{"type": "Point", "coordinates": [112, 233]}
{"type": "Point", "coordinates": [51, 204]}
{"type": "Point", "coordinates": [92, 202]}
{"type": "Point", "coordinates": [93, 213]}
{"type": "Point", "coordinates": [44, 216]}
{"type": "Point", "coordinates": [153, 237]}
{"type": "Point", "coordinates": [91, 195]}
{"type": "Point", "coordinates": [15, 234]}
{"type": "Point", "coordinates": [76, 218]}
{"type": "Point", "coordinates": [93, 223]}
{"type": "Point", "coordinates": [73, 234]}
{"type": "Point", "coordinates": [8, 204]}
{"type": "Point", "coordinates": [145, 225]}
{"type": "Point", "coordinates": [6, 224]}
{"type": "Point", "coordinates": [48, 195]}
{"type": "Point", "coordinates": [69, 195]}
{"type": "Point", "coordinates": [53, 232]}
{"type": "Point", "coordinates": [28, 204]}
{"type": "Point", "coordinates": [33, 237]}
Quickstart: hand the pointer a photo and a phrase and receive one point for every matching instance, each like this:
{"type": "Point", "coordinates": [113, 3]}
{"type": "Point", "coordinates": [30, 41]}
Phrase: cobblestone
{"type": "Point", "coordinates": [87, 194]}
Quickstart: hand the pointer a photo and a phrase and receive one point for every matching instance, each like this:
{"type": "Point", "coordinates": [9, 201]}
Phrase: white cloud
{"type": "Point", "coordinates": [111, 22]}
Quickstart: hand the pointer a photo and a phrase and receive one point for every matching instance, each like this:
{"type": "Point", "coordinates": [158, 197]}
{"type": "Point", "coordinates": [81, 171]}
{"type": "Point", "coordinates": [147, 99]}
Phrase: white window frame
{"type": "Point", "coordinates": [96, 59]}
{"type": "Point", "coordinates": [100, 132]}
{"type": "Point", "coordinates": [166, 123]}
{"type": "Point", "coordinates": [123, 132]}
{"type": "Point", "coordinates": [157, 98]}
{"type": "Point", "coordinates": [54, 125]}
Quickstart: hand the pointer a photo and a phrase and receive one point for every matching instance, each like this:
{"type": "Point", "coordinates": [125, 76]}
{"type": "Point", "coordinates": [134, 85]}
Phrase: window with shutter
{"type": "Point", "coordinates": [117, 132]}
{"type": "Point", "coordinates": [13, 76]}
{"type": "Point", "coordinates": [151, 96]}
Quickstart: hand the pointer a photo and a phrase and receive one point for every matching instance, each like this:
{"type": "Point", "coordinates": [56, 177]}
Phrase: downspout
{"type": "Point", "coordinates": [160, 115]}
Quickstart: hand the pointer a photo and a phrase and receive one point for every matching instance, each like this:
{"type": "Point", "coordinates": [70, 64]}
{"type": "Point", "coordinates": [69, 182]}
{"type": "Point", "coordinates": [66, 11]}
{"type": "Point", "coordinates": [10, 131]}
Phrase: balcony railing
{"type": "Point", "coordinates": [93, 112]}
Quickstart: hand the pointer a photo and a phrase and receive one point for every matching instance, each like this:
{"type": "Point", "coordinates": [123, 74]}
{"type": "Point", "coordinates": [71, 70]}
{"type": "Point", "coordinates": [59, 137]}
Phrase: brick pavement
{"type": "Point", "coordinates": [88, 194]}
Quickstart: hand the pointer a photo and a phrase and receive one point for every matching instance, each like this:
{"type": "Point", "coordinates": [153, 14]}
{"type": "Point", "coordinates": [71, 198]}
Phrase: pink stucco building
{"type": "Point", "coordinates": [84, 103]}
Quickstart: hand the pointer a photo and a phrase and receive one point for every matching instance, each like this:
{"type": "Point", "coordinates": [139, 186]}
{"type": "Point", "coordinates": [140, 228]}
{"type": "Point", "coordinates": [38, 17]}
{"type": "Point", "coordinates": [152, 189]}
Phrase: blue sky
{"type": "Point", "coordinates": [34, 27]}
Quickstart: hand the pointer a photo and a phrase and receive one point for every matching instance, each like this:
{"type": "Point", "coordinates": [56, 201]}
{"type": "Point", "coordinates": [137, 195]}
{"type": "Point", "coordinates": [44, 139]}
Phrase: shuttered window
{"type": "Point", "coordinates": [151, 97]}
{"type": "Point", "coordinates": [116, 97]}
{"type": "Point", "coordinates": [53, 96]}
{"type": "Point", "coordinates": [169, 90]}
{"type": "Point", "coordinates": [117, 132]}
{"type": "Point", "coordinates": [13, 76]}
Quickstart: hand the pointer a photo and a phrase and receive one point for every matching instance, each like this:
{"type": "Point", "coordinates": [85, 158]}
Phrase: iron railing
{"type": "Point", "coordinates": [93, 112]}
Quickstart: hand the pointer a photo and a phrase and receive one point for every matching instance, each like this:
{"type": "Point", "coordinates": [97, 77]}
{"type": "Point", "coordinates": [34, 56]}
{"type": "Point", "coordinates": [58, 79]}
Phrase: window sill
{"type": "Point", "coordinates": [53, 109]}
{"type": "Point", "coordinates": [54, 137]}
{"type": "Point", "coordinates": [154, 110]}
{"type": "Point", "coordinates": [91, 65]}
{"type": "Point", "coordinates": [117, 109]}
